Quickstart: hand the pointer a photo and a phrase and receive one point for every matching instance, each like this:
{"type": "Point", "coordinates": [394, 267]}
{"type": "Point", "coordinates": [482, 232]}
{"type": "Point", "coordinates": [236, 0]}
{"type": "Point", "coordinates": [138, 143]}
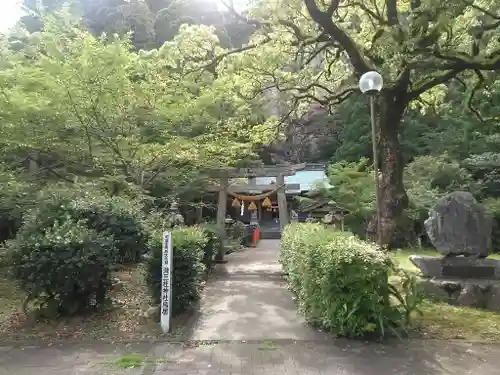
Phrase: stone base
{"type": "Point", "coordinates": [483, 294]}
{"type": "Point", "coordinates": [458, 267]}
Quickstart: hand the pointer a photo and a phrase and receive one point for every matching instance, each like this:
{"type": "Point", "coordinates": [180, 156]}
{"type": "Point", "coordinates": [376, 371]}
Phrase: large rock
{"type": "Point", "coordinates": [459, 225]}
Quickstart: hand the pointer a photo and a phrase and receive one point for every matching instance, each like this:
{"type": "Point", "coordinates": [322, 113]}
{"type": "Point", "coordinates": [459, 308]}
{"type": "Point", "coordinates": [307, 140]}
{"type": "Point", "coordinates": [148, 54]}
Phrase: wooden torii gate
{"type": "Point", "coordinates": [277, 171]}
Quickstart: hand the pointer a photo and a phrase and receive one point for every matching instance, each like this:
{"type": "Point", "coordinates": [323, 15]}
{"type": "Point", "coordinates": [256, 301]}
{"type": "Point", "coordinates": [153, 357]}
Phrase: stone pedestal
{"type": "Point", "coordinates": [458, 267]}
{"type": "Point", "coordinates": [478, 293]}
{"type": "Point", "coordinates": [460, 229]}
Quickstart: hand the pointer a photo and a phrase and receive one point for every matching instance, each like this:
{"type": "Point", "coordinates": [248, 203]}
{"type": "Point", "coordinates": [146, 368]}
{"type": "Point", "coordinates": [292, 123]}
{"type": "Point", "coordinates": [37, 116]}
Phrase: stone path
{"type": "Point", "coordinates": [247, 299]}
{"type": "Point", "coordinates": [249, 321]}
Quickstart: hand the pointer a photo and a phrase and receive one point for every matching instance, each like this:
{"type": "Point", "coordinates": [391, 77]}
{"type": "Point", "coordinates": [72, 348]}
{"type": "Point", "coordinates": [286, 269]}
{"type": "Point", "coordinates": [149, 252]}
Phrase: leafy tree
{"type": "Point", "coordinates": [80, 106]}
{"type": "Point", "coordinates": [314, 51]}
{"type": "Point", "coordinates": [150, 22]}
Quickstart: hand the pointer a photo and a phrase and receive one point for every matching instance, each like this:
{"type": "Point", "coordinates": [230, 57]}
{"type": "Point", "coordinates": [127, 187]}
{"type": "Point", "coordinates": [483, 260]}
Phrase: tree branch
{"type": "Point", "coordinates": [432, 83]}
{"type": "Point", "coordinates": [392, 12]}
{"type": "Point", "coordinates": [324, 19]}
{"type": "Point", "coordinates": [373, 14]}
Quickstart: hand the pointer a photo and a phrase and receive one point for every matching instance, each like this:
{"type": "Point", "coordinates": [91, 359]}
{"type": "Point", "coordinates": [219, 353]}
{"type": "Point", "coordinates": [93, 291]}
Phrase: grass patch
{"type": "Point", "coordinates": [443, 321]}
{"type": "Point", "coordinates": [123, 320]}
{"type": "Point", "coordinates": [267, 345]}
{"type": "Point", "coordinates": [130, 361]}
{"type": "Point", "coordinates": [402, 257]}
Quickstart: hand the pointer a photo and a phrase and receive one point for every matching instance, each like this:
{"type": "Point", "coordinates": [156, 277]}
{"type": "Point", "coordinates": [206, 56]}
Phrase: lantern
{"type": "Point", "coordinates": [236, 203]}
{"type": "Point", "coordinates": [266, 202]}
{"type": "Point", "coordinates": [252, 207]}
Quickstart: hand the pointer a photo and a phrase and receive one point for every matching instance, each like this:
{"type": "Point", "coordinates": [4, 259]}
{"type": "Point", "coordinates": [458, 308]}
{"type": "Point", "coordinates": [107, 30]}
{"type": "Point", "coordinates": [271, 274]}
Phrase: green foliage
{"type": "Point", "coordinates": [64, 268]}
{"type": "Point", "coordinates": [214, 244]}
{"type": "Point", "coordinates": [428, 178]}
{"type": "Point", "coordinates": [188, 268]}
{"type": "Point", "coordinates": [16, 196]}
{"type": "Point", "coordinates": [439, 172]}
{"type": "Point", "coordinates": [353, 186]}
{"type": "Point", "coordinates": [116, 217]}
{"type": "Point", "coordinates": [492, 205]}
{"type": "Point", "coordinates": [108, 112]}
{"type": "Point", "coordinates": [486, 168]}
{"type": "Point", "coordinates": [341, 282]}
{"type": "Point", "coordinates": [238, 230]}
{"type": "Point", "coordinates": [352, 189]}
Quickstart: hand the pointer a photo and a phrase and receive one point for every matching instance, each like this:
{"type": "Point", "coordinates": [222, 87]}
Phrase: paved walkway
{"type": "Point", "coordinates": [266, 358]}
{"type": "Point", "coordinates": [247, 299]}
{"type": "Point", "coordinates": [251, 318]}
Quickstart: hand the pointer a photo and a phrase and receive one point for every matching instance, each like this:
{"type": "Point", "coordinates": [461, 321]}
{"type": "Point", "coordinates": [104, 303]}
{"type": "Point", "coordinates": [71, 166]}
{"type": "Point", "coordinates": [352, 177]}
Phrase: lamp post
{"type": "Point", "coordinates": [371, 83]}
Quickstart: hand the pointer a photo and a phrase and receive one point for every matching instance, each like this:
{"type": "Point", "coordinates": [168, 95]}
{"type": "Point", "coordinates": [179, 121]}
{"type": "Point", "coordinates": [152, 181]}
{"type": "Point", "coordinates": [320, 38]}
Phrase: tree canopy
{"type": "Point", "coordinates": [154, 91]}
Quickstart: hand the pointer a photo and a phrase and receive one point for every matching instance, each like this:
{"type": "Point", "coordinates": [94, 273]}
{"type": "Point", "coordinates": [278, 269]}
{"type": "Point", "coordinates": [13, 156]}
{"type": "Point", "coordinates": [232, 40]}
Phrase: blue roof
{"type": "Point", "coordinates": [307, 180]}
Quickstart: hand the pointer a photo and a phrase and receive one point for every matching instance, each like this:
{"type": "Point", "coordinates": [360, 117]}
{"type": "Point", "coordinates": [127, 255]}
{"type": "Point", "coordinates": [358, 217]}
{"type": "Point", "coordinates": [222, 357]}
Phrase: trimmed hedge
{"type": "Point", "coordinates": [65, 269]}
{"type": "Point", "coordinates": [341, 282]}
{"type": "Point", "coordinates": [189, 245]}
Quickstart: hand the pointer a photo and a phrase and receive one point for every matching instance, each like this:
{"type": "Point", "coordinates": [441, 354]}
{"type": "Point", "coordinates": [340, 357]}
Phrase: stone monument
{"type": "Point", "coordinates": [460, 229]}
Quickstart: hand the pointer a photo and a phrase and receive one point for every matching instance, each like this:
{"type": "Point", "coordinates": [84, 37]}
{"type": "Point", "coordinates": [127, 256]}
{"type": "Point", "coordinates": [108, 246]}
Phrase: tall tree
{"type": "Point", "coordinates": [314, 51]}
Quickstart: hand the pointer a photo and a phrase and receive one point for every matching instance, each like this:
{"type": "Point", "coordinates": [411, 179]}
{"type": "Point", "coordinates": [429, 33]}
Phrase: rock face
{"type": "Point", "coordinates": [459, 225]}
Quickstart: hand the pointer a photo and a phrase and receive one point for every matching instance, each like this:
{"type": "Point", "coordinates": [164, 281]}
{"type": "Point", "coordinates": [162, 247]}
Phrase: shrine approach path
{"type": "Point", "coordinates": [247, 299]}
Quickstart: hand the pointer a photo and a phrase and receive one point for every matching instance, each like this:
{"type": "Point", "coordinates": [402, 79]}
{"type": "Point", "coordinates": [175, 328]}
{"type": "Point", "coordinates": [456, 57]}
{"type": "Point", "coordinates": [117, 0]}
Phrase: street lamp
{"type": "Point", "coordinates": [371, 83]}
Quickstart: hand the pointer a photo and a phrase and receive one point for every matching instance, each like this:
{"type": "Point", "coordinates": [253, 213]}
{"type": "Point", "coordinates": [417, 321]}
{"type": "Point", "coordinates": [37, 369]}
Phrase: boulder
{"type": "Point", "coordinates": [459, 225]}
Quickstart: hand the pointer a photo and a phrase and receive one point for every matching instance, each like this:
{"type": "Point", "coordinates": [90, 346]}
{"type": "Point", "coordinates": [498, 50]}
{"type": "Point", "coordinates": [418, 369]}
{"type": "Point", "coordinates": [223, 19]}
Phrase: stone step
{"type": "Point", "coordinates": [275, 235]}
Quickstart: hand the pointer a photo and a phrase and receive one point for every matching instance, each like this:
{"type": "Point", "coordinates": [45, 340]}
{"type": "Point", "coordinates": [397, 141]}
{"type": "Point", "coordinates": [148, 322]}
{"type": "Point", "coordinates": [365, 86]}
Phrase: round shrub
{"type": "Point", "coordinates": [65, 269]}
{"type": "Point", "coordinates": [115, 216]}
{"type": "Point", "coordinates": [341, 282]}
{"type": "Point", "coordinates": [188, 268]}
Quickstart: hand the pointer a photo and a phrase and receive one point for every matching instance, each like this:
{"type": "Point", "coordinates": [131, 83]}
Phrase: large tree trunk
{"type": "Point", "coordinates": [393, 198]}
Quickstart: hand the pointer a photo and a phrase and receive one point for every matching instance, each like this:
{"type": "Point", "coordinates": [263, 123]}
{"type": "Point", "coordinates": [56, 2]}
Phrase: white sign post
{"type": "Point", "coordinates": [166, 281]}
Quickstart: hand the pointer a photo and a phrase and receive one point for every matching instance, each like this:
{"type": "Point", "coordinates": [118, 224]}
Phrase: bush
{"type": "Point", "coordinates": [15, 197]}
{"type": "Point", "coordinates": [65, 268]}
{"type": "Point", "coordinates": [188, 268]}
{"type": "Point", "coordinates": [213, 246]}
{"type": "Point", "coordinates": [115, 216]}
{"type": "Point", "coordinates": [341, 282]}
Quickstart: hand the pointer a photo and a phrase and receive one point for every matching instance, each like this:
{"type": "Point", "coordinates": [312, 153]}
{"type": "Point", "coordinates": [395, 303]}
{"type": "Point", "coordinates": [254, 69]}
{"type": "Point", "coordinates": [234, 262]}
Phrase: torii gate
{"type": "Point", "coordinates": [278, 171]}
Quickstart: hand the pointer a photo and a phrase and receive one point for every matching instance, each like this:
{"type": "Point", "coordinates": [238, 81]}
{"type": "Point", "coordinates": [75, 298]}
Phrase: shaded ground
{"type": "Point", "coordinates": [123, 321]}
{"type": "Point", "coordinates": [247, 299]}
{"type": "Point", "coordinates": [265, 358]}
